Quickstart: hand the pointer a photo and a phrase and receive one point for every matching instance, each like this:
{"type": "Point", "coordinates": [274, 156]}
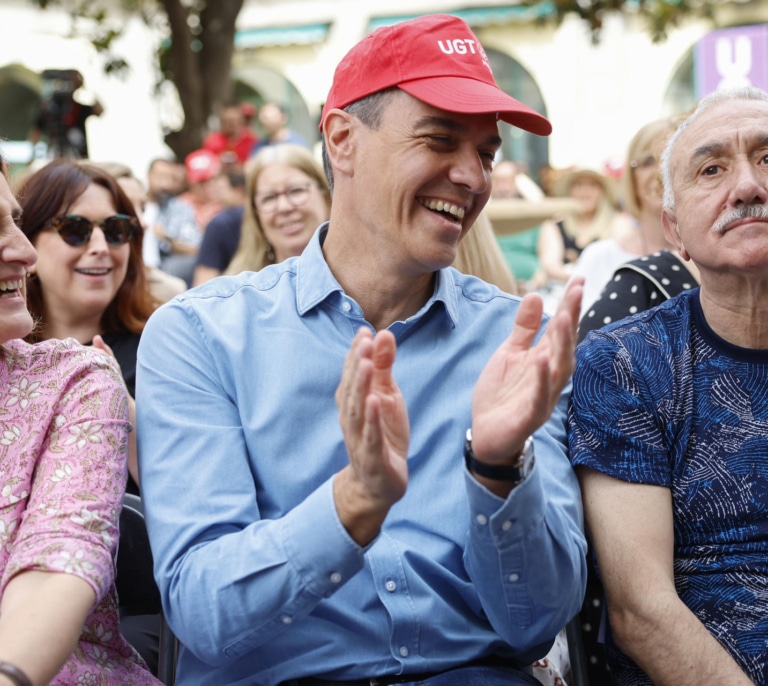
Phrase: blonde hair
{"type": "Point", "coordinates": [479, 254]}
{"type": "Point", "coordinates": [641, 146]}
{"type": "Point", "coordinates": [602, 223]}
{"type": "Point", "coordinates": [254, 252]}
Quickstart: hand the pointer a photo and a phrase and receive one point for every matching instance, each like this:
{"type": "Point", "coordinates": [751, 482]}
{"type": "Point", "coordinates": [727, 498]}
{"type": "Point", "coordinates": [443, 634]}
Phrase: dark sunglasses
{"type": "Point", "coordinates": [76, 230]}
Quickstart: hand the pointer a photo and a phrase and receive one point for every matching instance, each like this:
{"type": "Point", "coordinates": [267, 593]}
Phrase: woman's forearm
{"type": "Point", "coordinates": [41, 618]}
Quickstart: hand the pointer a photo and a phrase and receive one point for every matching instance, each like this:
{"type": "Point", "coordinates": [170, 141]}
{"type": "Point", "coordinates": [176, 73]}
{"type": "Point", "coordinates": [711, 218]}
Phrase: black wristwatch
{"type": "Point", "coordinates": [514, 473]}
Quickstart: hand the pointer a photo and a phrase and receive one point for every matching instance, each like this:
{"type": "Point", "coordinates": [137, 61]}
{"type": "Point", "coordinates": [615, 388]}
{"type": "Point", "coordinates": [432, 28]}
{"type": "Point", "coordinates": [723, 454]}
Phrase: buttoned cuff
{"type": "Point", "coordinates": [317, 544]}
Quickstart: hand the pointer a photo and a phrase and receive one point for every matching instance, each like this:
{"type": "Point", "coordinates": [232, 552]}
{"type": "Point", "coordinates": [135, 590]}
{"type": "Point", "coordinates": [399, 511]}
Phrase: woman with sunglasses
{"type": "Point", "coordinates": [63, 448]}
{"type": "Point", "coordinates": [89, 281]}
{"type": "Point", "coordinates": [89, 284]}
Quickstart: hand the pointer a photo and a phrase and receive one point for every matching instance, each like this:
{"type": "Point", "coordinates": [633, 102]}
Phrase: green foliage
{"type": "Point", "coordinates": [91, 18]}
{"type": "Point", "coordinates": [658, 15]}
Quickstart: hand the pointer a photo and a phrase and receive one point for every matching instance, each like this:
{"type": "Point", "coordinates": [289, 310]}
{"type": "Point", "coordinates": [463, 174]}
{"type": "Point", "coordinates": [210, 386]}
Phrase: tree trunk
{"type": "Point", "coordinates": [201, 65]}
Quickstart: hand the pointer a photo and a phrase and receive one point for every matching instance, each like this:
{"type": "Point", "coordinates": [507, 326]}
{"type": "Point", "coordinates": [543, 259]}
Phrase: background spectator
{"type": "Point", "coordinates": [519, 249]}
{"type": "Point", "coordinates": [222, 235]}
{"type": "Point", "coordinates": [178, 219]}
{"type": "Point", "coordinates": [234, 140]}
{"type": "Point", "coordinates": [273, 119]}
{"type": "Point", "coordinates": [644, 235]}
{"type": "Point", "coordinates": [661, 273]}
{"type": "Point", "coordinates": [287, 199]}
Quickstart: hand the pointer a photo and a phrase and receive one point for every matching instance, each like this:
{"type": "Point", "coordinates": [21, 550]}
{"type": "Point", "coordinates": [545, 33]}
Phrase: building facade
{"type": "Point", "coordinates": [596, 96]}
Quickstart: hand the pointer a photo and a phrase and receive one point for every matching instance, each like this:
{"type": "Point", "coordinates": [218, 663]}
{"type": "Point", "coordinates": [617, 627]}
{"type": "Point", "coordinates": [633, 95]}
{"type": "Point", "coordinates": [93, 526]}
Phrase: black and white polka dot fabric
{"type": "Point", "coordinates": [637, 286]}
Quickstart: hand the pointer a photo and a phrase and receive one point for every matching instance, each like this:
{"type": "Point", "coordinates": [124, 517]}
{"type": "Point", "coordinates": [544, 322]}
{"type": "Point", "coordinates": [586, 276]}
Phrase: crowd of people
{"type": "Point", "coordinates": [375, 442]}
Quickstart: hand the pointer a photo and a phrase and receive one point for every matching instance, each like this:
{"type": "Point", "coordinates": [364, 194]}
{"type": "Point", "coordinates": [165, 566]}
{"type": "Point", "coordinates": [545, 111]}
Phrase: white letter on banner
{"type": "Point", "coordinates": [733, 60]}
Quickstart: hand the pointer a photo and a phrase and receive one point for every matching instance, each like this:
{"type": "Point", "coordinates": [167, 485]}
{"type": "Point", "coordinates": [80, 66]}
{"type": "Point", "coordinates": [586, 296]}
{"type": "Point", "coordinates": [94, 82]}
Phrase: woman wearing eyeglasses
{"type": "Point", "coordinates": [287, 198]}
{"type": "Point", "coordinates": [63, 448]}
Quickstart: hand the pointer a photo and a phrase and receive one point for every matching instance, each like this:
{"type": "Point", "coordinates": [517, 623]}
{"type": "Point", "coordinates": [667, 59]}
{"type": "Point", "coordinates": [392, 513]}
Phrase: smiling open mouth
{"type": "Point", "coordinates": [94, 272]}
{"type": "Point", "coordinates": [452, 212]}
{"type": "Point", "coordinates": [10, 287]}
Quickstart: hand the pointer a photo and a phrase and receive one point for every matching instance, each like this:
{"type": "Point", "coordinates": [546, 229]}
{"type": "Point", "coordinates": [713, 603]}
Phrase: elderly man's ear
{"type": "Point", "coordinates": [340, 129]}
{"type": "Point", "coordinates": [672, 232]}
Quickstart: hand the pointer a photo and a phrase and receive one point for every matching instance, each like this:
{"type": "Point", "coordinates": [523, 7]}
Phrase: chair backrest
{"type": "Point", "coordinates": [136, 589]}
{"type": "Point", "coordinates": [576, 653]}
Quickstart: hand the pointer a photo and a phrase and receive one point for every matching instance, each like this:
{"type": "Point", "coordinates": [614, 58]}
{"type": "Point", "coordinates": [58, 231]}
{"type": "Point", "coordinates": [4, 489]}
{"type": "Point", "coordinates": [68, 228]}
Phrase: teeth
{"type": "Point", "coordinates": [10, 285]}
{"type": "Point", "coordinates": [94, 272]}
{"type": "Point", "coordinates": [441, 206]}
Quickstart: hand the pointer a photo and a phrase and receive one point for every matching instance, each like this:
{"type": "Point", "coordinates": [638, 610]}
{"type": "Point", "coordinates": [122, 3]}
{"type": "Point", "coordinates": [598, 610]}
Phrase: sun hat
{"type": "Point", "coordinates": [436, 59]}
{"type": "Point", "coordinates": [202, 165]}
{"type": "Point", "coordinates": [566, 179]}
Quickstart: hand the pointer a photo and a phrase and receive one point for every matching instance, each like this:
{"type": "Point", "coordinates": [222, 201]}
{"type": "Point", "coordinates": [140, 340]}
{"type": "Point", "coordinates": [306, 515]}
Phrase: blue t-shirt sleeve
{"type": "Point", "coordinates": [220, 240]}
{"type": "Point", "coordinates": [613, 423]}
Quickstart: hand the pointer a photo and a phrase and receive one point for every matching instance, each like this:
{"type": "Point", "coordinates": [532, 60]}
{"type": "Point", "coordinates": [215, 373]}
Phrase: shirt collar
{"type": "Point", "coordinates": [315, 282]}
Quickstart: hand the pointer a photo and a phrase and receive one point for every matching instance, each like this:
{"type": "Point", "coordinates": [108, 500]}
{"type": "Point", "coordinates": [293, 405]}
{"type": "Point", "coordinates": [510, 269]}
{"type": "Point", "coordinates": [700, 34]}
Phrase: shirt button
{"type": "Point", "coordinates": [335, 577]}
{"type": "Point", "coordinates": [346, 307]}
{"type": "Point", "coordinates": [286, 619]}
{"type": "Point", "coordinates": [403, 651]}
{"type": "Point", "coordinates": [506, 526]}
{"type": "Point", "coordinates": [390, 586]}
{"type": "Point", "coordinates": [514, 577]}
{"type": "Point", "coordinates": [482, 520]}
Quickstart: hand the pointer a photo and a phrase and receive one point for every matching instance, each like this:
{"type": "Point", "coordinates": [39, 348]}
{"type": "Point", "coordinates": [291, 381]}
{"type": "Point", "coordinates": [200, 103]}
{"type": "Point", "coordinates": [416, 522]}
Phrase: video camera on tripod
{"type": "Point", "coordinates": [59, 112]}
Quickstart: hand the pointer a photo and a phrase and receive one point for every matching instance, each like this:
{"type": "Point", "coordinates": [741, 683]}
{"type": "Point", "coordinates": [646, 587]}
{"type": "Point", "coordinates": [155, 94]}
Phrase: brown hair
{"type": "Point", "coordinates": [52, 191]}
{"type": "Point", "coordinates": [479, 254]}
{"type": "Point", "coordinates": [253, 252]}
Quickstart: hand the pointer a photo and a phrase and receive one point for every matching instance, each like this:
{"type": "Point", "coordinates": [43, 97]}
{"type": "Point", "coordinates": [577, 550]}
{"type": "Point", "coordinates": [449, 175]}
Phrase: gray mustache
{"type": "Point", "coordinates": [743, 212]}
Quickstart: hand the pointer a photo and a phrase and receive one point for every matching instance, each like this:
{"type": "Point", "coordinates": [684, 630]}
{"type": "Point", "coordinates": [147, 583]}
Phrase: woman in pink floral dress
{"type": "Point", "coordinates": [63, 453]}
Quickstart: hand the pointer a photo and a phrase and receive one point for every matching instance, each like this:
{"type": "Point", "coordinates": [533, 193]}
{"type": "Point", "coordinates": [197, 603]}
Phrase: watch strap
{"type": "Point", "coordinates": [514, 473]}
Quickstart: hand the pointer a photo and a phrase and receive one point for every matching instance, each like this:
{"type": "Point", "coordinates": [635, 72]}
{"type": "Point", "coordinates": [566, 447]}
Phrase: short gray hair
{"type": "Point", "coordinates": [368, 110]}
{"type": "Point", "coordinates": [725, 95]}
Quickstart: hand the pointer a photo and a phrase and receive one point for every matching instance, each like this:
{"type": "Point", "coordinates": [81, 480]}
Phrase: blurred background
{"type": "Point", "coordinates": [161, 69]}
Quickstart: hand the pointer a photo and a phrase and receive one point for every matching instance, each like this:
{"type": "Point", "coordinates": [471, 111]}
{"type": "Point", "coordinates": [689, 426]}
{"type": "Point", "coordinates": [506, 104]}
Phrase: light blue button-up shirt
{"type": "Point", "coordinates": [240, 440]}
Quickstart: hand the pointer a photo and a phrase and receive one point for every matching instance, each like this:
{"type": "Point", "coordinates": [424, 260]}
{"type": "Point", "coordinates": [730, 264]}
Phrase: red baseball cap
{"type": "Point", "coordinates": [202, 165]}
{"type": "Point", "coordinates": [435, 58]}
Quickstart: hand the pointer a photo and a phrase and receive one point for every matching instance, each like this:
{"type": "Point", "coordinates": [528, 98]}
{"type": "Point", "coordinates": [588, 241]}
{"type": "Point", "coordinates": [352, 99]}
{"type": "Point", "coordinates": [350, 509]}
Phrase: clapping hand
{"type": "Point", "coordinates": [374, 420]}
{"type": "Point", "coordinates": [522, 382]}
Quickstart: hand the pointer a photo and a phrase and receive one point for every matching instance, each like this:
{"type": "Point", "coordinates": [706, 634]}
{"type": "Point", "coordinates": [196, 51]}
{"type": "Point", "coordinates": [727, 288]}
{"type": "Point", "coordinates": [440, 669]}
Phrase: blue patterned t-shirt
{"type": "Point", "coordinates": [660, 399]}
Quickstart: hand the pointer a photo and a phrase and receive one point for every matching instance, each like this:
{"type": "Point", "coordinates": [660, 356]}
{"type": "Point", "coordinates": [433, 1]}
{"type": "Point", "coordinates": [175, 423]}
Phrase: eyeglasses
{"type": "Point", "coordinates": [76, 230]}
{"type": "Point", "coordinates": [296, 196]}
{"type": "Point", "coordinates": [645, 163]}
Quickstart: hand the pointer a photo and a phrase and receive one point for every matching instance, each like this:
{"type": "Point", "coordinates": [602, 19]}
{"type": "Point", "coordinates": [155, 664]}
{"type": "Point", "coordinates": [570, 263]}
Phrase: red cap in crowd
{"type": "Point", "coordinates": [435, 58]}
{"type": "Point", "coordinates": [202, 165]}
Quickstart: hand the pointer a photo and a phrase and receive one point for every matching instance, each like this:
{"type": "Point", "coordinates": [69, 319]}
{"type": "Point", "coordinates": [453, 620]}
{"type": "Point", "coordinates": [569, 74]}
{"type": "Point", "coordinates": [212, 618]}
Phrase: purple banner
{"type": "Point", "coordinates": [732, 57]}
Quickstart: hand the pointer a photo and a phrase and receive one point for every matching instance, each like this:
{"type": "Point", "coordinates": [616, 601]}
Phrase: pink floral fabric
{"type": "Point", "coordinates": [63, 468]}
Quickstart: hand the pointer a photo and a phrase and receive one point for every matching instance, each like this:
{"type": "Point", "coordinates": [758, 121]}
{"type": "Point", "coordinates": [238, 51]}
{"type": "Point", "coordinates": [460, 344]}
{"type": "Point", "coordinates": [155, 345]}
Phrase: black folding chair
{"type": "Point", "coordinates": [136, 589]}
{"type": "Point", "coordinates": [576, 653]}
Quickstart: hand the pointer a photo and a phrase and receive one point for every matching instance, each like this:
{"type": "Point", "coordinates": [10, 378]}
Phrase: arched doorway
{"type": "Point", "coordinates": [680, 95]}
{"type": "Point", "coordinates": [257, 84]}
{"type": "Point", "coordinates": [514, 79]}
